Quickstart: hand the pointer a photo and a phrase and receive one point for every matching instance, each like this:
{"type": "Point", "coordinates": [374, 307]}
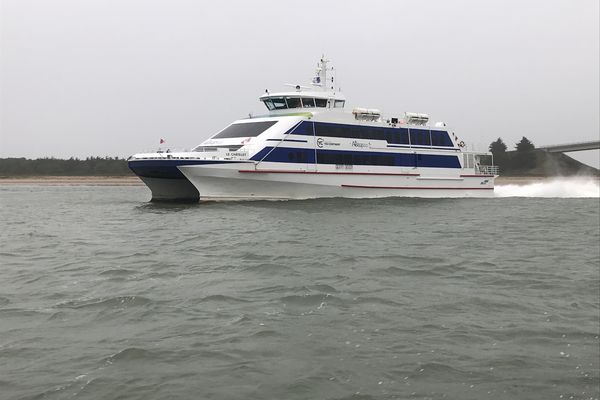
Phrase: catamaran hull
{"type": "Point", "coordinates": [164, 180]}
{"type": "Point", "coordinates": [309, 147]}
{"type": "Point", "coordinates": [175, 190]}
{"type": "Point", "coordinates": [233, 183]}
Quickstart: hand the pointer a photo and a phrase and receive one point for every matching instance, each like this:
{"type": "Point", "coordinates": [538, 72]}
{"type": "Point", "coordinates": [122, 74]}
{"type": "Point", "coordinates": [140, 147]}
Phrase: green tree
{"type": "Point", "coordinates": [524, 145]}
{"type": "Point", "coordinates": [525, 158]}
{"type": "Point", "coordinates": [498, 149]}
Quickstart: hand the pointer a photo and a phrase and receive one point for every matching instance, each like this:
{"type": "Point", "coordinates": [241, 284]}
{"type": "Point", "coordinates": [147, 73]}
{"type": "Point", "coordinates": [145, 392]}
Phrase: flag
{"type": "Point", "coordinates": [162, 140]}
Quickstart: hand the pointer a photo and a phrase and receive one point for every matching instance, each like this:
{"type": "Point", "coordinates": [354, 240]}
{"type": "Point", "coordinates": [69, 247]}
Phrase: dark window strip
{"type": "Point", "coordinates": [412, 136]}
{"type": "Point", "coordinates": [282, 154]}
{"type": "Point", "coordinates": [250, 129]}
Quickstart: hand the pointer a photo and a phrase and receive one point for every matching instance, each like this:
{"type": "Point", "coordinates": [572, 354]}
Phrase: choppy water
{"type": "Point", "coordinates": [106, 296]}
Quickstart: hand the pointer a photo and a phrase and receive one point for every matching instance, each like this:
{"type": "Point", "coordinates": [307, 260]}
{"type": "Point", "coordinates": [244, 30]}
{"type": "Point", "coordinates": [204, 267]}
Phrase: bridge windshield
{"type": "Point", "coordinates": [288, 102]}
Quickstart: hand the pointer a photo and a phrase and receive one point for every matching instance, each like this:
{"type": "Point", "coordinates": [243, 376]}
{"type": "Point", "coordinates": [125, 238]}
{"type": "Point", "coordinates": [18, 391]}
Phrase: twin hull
{"type": "Point", "coordinates": [243, 181]}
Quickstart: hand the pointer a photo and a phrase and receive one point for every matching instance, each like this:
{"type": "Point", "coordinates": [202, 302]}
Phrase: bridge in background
{"type": "Point", "coordinates": [566, 148]}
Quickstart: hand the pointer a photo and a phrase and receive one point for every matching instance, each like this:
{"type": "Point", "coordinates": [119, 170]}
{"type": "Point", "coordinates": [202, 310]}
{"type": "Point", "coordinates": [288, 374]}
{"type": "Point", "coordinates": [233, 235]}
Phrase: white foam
{"type": "Point", "coordinates": [560, 187]}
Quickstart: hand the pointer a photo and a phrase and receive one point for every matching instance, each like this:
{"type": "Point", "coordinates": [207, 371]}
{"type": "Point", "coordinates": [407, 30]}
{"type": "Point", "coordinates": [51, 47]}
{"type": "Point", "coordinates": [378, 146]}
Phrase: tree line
{"type": "Point", "coordinates": [91, 166]}
{"type": "Point", "coordinates": [523, 158]}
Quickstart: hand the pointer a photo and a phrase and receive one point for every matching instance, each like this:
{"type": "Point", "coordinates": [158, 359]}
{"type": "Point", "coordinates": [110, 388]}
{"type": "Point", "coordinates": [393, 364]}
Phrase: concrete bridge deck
{"type": "Point", "coordinates": [566, 148]}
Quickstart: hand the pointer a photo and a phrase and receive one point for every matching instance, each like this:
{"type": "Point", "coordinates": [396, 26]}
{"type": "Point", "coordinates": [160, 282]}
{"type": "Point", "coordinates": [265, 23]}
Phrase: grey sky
{"type": "Point", "coordinates": [111, 78]}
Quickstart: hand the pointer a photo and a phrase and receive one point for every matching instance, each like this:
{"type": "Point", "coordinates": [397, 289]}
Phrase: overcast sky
{"type": "Point", "coordinates": [91, 77]}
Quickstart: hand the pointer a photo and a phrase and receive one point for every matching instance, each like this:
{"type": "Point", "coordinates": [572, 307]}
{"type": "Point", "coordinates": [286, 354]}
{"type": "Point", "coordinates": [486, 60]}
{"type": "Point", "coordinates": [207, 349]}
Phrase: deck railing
{"type": "Point", "coordinates": [489, 169]}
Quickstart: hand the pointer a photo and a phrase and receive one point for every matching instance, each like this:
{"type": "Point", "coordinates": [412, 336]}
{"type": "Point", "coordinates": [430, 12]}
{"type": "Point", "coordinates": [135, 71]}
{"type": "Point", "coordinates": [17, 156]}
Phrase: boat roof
{"type": "Point", "coordinates": [314, 94]}
{"type": "Point", "coordinates": [322, 86]}
{"type": "Point", "coordinates": [305, 93]}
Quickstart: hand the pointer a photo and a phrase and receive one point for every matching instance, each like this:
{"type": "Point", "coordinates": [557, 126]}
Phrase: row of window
{"type": "Point", "coordinates": [282, 103]}
{"type": "Point", "coordinates": [290, 155]}
{"type": "Point", "coordinates": [415, 137]}
{"type": "Point", "coordinates": [297, 156]}
{"type": "Point", "coordinates": [355, 159]}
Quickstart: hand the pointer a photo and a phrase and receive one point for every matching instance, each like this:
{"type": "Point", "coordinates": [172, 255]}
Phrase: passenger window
{"type": "Point", "coordinates": [308, 102]}
{"type": "Point", "coordinates": [435, 138]}
{"type": "Point", "coordinates": [293, 102]}
{"type": "Point", "coordinates": [446, 141]}
{"type": "Point", "coordinates": [404, 136]}
{"type": "Point", "coordinates": [321, 102]}
{"type": "Point", "coordinates": [420, 137]}
{"type": "Point", "coordinates": [339, 104]}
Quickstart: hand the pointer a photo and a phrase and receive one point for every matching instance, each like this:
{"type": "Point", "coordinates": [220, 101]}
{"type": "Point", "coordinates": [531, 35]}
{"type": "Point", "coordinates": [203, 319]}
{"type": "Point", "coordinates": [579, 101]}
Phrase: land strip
{"type": "Point", "coordinates": [73, 180]}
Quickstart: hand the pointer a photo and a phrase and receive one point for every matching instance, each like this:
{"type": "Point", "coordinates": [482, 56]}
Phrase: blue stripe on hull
{"type": "Point", "coordinates": [165, 169]}
{"type": "Point", "coordinates": [299, 155]}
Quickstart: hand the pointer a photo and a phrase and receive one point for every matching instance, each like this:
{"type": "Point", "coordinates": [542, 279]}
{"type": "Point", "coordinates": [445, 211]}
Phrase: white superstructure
{"type": "Point", "coordinates": [309, 146]}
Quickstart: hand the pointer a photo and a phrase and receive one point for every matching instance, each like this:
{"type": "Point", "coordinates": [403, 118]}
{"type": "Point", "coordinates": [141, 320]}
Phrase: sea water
{"type": "Point", "coordinates": [104, 295]}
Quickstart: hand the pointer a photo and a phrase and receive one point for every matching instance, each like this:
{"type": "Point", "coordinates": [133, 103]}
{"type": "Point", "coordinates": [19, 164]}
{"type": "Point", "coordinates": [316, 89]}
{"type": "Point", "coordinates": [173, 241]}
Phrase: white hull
{"type": "Point", "coordinates": [234, 182]}
{"type": "Point", "coordinates": [308, 147]}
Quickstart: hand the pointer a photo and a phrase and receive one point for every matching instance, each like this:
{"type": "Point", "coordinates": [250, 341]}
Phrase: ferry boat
{"type": "Point", "coordinates": [308, 145]}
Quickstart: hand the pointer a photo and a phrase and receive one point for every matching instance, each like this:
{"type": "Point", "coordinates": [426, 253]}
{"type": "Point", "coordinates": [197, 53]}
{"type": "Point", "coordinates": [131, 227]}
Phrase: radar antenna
{"type": "Point", "coordinates": [320, 78]}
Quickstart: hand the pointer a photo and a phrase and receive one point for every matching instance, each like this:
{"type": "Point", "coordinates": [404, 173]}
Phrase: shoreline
{"type": "Point", "coordinates": [72, 180]}
{"type": "Point", "coordinates": [135, 181]}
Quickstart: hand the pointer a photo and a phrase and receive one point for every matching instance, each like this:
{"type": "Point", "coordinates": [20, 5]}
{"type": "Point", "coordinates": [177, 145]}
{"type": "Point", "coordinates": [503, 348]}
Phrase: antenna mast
{"type": "Point", "coordinates": [321, 74]}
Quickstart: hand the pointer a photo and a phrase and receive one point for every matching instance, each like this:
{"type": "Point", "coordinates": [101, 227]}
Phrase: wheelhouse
{"type": "Point", "coordinates": [284, 102]}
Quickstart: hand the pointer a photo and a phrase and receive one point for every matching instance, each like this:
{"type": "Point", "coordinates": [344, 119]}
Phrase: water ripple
{"type": "Point", "coordinates": [104, 297]}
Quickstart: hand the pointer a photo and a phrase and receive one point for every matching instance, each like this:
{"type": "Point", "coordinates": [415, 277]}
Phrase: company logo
{"type": "Point", "coordinates": [359, 144]}
{"type": "Point", "coordinates": [322, 143]}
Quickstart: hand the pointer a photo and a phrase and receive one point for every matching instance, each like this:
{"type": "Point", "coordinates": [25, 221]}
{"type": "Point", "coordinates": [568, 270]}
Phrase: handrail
{"type": "Point", "coordinates": [489, 169]}
{"type": "Point", "coordinates": [281, 141]}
